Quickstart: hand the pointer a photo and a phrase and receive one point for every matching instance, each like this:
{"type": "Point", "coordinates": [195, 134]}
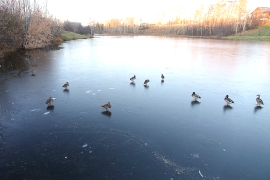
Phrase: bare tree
{"type": "Point", "coordinates": [25, 25]}
{"type": "Point", "coordinates": [11, 25]}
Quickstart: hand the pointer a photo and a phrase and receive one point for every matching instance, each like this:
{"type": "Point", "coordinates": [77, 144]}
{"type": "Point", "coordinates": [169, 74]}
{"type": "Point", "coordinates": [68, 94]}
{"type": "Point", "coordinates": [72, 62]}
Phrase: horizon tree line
{"type": "Point", "coordinates": [226, 17]}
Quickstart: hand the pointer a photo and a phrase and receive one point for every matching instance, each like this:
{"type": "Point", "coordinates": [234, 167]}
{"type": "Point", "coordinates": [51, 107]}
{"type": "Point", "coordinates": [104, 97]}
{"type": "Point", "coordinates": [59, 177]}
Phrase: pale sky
{"type": "Point", "coordinates": [84, 10]}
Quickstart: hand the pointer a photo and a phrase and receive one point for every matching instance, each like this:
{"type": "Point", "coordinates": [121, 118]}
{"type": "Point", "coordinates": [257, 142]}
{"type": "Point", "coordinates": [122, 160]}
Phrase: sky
{"type": "Point", "coordinates": [85, 11]}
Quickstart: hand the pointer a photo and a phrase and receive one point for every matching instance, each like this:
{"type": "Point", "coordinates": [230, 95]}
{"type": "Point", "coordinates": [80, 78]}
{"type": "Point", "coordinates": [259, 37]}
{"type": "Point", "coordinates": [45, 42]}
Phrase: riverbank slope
{"type": "Point", "coordinates": [67, 36]}
{"type": "Point", "coordinates": [260, 34]}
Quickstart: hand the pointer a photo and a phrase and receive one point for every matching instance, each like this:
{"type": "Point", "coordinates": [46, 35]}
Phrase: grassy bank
{"type": "Point", "coordinates": [67, 36]}
{"type": "Point", "coordinates": [260, 34]}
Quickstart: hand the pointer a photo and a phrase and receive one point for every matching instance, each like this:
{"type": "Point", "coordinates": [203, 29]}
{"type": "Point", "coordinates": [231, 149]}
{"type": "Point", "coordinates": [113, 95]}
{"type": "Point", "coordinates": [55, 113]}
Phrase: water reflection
{"type": "Point", "coordinates": [195, 102]}
{"type": "Point", "coordinates": [146, 86]}
{"type": "Point", "coordinates": [15, 61]}
{"type": "Point", "coordinates": [132, 84]}
{"type": "Point", "coordinates": [227, 107]}
{"type": "Point", "coordinates": [50, 107]}
{"type": "Point", "coordinates": [23, 60]}
{"type": "Point", "coordinates": [107, 113]}
{"type": "Point", "coordinates": [257, 108]}
{"type": "Point", "coordinates": [66, 91]}
{"type": "Point", "coordinates": [162, 81]}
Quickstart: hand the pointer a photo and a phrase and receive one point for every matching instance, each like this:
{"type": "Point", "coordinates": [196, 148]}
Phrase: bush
{"type": "Point", "coordinates": [57, 41]}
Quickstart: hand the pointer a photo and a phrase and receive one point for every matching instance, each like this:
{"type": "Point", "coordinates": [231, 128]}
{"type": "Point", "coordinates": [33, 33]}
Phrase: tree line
{"type": "Point", "coordinates": [77, 27]}
{"type": "Point", "coordinates": [226, 17]}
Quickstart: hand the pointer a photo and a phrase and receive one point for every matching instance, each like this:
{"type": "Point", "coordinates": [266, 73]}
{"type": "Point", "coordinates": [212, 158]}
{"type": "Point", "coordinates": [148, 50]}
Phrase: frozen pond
{"type": "Point", "coordinates": [154, 132]}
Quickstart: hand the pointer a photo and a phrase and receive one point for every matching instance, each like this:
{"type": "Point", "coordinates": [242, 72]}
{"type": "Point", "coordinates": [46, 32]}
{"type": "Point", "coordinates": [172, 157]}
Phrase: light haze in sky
{"type": "Point", "coordinates": [85, 11]}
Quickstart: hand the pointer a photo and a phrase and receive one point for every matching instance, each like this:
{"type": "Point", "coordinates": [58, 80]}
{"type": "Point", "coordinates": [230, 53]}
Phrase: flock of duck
{"type": "Point", "coordinates": [227, 99]}
{"type": "Point", "coordinates": [65, 86]}
{"type": "Point", "coordinates": [132, 79]}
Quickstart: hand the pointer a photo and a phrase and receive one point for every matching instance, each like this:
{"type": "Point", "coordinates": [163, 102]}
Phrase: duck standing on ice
{"type": "Point", "coordinates": [146, 82]}
{"type": "Point", "coordinates": [195, 96]}
{"type": "Point", "coordinates": [106, 106]}
{"type": "Point", "coordinates": [162, 77]}
{"type": "Point", "coordinates": [49, 101]}
{"type": "Point", "coordinates": [133, 78]}
{"type": "Point", "coordinates": [65, 85]}
{"type": "Point", "coordinates": [228, 100]}
{"type": "Point", "coordinates": [33, 73]}
{"type": "Point", "coordinates": [259, 100]}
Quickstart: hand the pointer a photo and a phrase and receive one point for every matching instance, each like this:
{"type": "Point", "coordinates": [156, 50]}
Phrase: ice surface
{"type": "Point", "coordinates": [200, 173]}
{"type": "Point", "coordinates": [36, 110]}
{"type": "Point", "coordinates": [85, 145]}
{"type": "Point", "coordinates": [195, 155]}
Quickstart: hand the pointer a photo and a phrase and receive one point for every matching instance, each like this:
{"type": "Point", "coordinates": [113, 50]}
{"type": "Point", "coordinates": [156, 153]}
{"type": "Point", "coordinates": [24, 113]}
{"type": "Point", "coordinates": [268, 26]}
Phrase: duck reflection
{"type": "Point", "coordinates": [227, 107]}
{"type": "Point", "coordinates": [257, 108]}
{"type": "Point", "coordinates": [132, 84]}
{"type": "Point", "coordinates": [66, 90]}
{"type": "Point", "coordinates": [50, 107]}
{"type": "Point", "coordinates": [195, 102]}
{"type": "Point", "coordinates": [107, 113]}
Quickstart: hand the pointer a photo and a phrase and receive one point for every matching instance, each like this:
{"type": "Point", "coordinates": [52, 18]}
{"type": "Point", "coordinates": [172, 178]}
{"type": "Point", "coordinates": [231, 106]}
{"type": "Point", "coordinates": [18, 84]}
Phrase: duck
{"type": "Point", "coordinates": [133, 78]}
{"type": "Point", "coordinates": [65, 85]}
{"type": "Point", "coordinates": [146, 81]}
{"type": "Point", "coordinates": [195, 96]}
{"type": "Point", "coordinates": [49, 101]}
{"type": "Point", "coordinates": [162, 77]}
{"type": "Point", "coordinates": [33, 73]}
{"type": "Point", "coordinates": [259, 100]}
{"type": "Point", "coordinates": [228, 100]}
{"type": "Point", "coordinates": [106, 106]}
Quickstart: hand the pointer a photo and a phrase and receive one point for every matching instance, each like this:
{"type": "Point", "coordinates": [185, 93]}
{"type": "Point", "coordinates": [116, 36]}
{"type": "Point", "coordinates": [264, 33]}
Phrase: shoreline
{"type": "Point", "coordinates": [156, 34]}
{"type": "Point", "coordinates": [235, 38]}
